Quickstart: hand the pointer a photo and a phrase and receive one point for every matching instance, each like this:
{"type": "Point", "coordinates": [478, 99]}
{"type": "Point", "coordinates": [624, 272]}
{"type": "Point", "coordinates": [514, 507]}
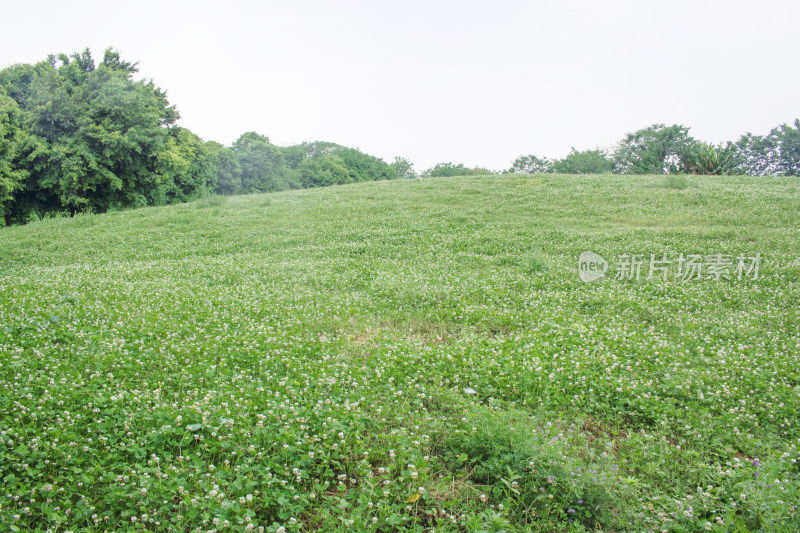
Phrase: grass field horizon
{"type": "Point", "coordinates": [410, 355]}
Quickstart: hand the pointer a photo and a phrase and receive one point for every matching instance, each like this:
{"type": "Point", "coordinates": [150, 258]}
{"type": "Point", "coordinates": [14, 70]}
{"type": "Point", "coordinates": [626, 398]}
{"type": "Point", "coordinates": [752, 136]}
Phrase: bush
{"type": "Point", "coordinates": [444, 170]}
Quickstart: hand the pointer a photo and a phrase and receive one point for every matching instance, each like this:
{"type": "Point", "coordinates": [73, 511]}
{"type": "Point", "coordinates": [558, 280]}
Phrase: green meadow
{"type": "Point", "coordinates": [408, 355]}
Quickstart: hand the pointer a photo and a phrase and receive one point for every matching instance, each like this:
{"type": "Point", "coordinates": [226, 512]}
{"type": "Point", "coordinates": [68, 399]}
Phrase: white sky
{"type": "Point", "coordinates": [478, 83]}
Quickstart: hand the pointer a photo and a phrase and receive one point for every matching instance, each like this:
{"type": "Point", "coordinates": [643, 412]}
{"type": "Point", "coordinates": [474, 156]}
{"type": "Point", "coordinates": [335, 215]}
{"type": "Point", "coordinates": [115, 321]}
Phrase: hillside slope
{"type": "Point", "coordinates": [411, 354]}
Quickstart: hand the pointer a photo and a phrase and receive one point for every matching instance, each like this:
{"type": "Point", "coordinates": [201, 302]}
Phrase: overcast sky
{"type": "Point", "coordinates": [478, 83]}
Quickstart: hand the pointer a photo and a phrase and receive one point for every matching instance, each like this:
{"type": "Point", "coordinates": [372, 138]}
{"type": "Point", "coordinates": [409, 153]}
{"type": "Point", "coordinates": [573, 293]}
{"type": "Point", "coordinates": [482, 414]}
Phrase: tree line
{"type": "Point", "coordinates": [661, 149]}
{"type": "Point", "coordinates": [81, 136]}
{"type": "Point", "coordinates": [78, 135]}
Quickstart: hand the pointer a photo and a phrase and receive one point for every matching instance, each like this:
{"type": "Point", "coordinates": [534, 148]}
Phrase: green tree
{"type": "Point", "coordinates": [358, 165]}
{"type": "Point", "coordinates": [35, 197]}
{"type": "Point", "coordinates": [657, 149]}
{"type": "Point", "coordinates": [364, 167]}
{"type": "Point", "coordinates": [262, 166]}
{"type": "Point", "coordinates": [586, 162]}
{"type": "Point", "coordinates": [294, 155]}
{"type": "Point", "coordinates": [444, 170]}
{"type": "Point", "coordinates": [449, 169]}
{"type": "Point", "coordinates": [187, 167]}
{"type": "Point", "coordinates": [229, 174]}
{"type": "Point", "coordinates": [704, 158]}
{"type": "Point", "coordinates": [12, 141]}
{"type": "Point", "coordinates": [322, 171]}
{"type": "Point", "coordinates": [95, 135]}
{"type": "Point", "coordinates": [788, 141]}
{"type": "Point", "coordinates": [112, 61]}
{"type": "Point", "coordinates": [318, 148]}
{"type": "Point", "coordinates": [531, 164]}
{"type": "Point", "coordinates": [756, 155]}
{"type": "Point", "coordinates": [16, 80]}
{"type": "Point", "coordinates": [403, 167]}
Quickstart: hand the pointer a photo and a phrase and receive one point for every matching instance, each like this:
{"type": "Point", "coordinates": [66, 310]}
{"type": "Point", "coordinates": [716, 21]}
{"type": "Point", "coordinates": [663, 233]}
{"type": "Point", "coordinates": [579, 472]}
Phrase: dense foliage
{"type": "Point", "coordinates": [777, 153]}
{"type": "Point", "coordinates": [80, 136]}
{"type": "Point", "coordinates": [586, 162]}
{"type": "Point", "coordinates": [660, 149]}
{"type": "Point", "coordinates": [444, 170]}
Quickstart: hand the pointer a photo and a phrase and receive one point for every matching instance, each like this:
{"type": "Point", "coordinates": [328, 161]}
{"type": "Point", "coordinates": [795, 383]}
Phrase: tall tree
{"type": "Point", "coordinates": [657, 149]}
{"type": "Point", "coordinates": [756, 155]}
{"type": "Point", "coordinates": [788, 141]}
{"type": "Point", "coordinates": [229, 174]}
{"type": "Point", "coordinates": [586, 162]}
{"type": "Point", "coordinates": [450, 169]}
{"type": "Point", "coordinates": [364, 167]}
{"type": "Point", "coordinates": [704, 158]}
{"type": "Point", "coordinates": [12, 140]}
{"type": "Point", "coordinates": [323, 170]}
{"type": "Point", "coordinates": [187, 167]}
{"type": "Point", "coordinates": [95, 133]}
{"type": "Point", "coordinates": [262, 166]}
{"type": "Point", "coordinates": [112, 60]}
{"type": "Point", "coordinates": [403, 167]}
{"type": "Point", "coordinates": [531, 164]}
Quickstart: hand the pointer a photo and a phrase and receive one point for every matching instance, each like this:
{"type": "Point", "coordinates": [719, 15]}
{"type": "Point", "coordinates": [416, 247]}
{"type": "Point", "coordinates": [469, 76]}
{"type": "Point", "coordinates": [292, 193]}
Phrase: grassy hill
{"type": "Point", "coordinates": [408, 355]}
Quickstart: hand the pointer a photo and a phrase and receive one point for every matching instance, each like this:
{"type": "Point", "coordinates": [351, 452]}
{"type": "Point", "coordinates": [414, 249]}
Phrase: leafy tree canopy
{"type": "Point", "coordinates": [12, 142]}
{"type": "Point", "coordinates": [403, 167]}
{"type": "Point", "coordinates": [261, 164]}
{"type": "Point", "coordinates": [657, 149]}
{"type": "Point", "coordinates": [95, 134]}
{"type": "Point", "coordinates": [530, 164]}
{"type": "Point", "coordinates": [586, 162]}
{"type": "Point", "coordinates": [323, 170]}
{"type": "Point", "coordinates": [442, 170]}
